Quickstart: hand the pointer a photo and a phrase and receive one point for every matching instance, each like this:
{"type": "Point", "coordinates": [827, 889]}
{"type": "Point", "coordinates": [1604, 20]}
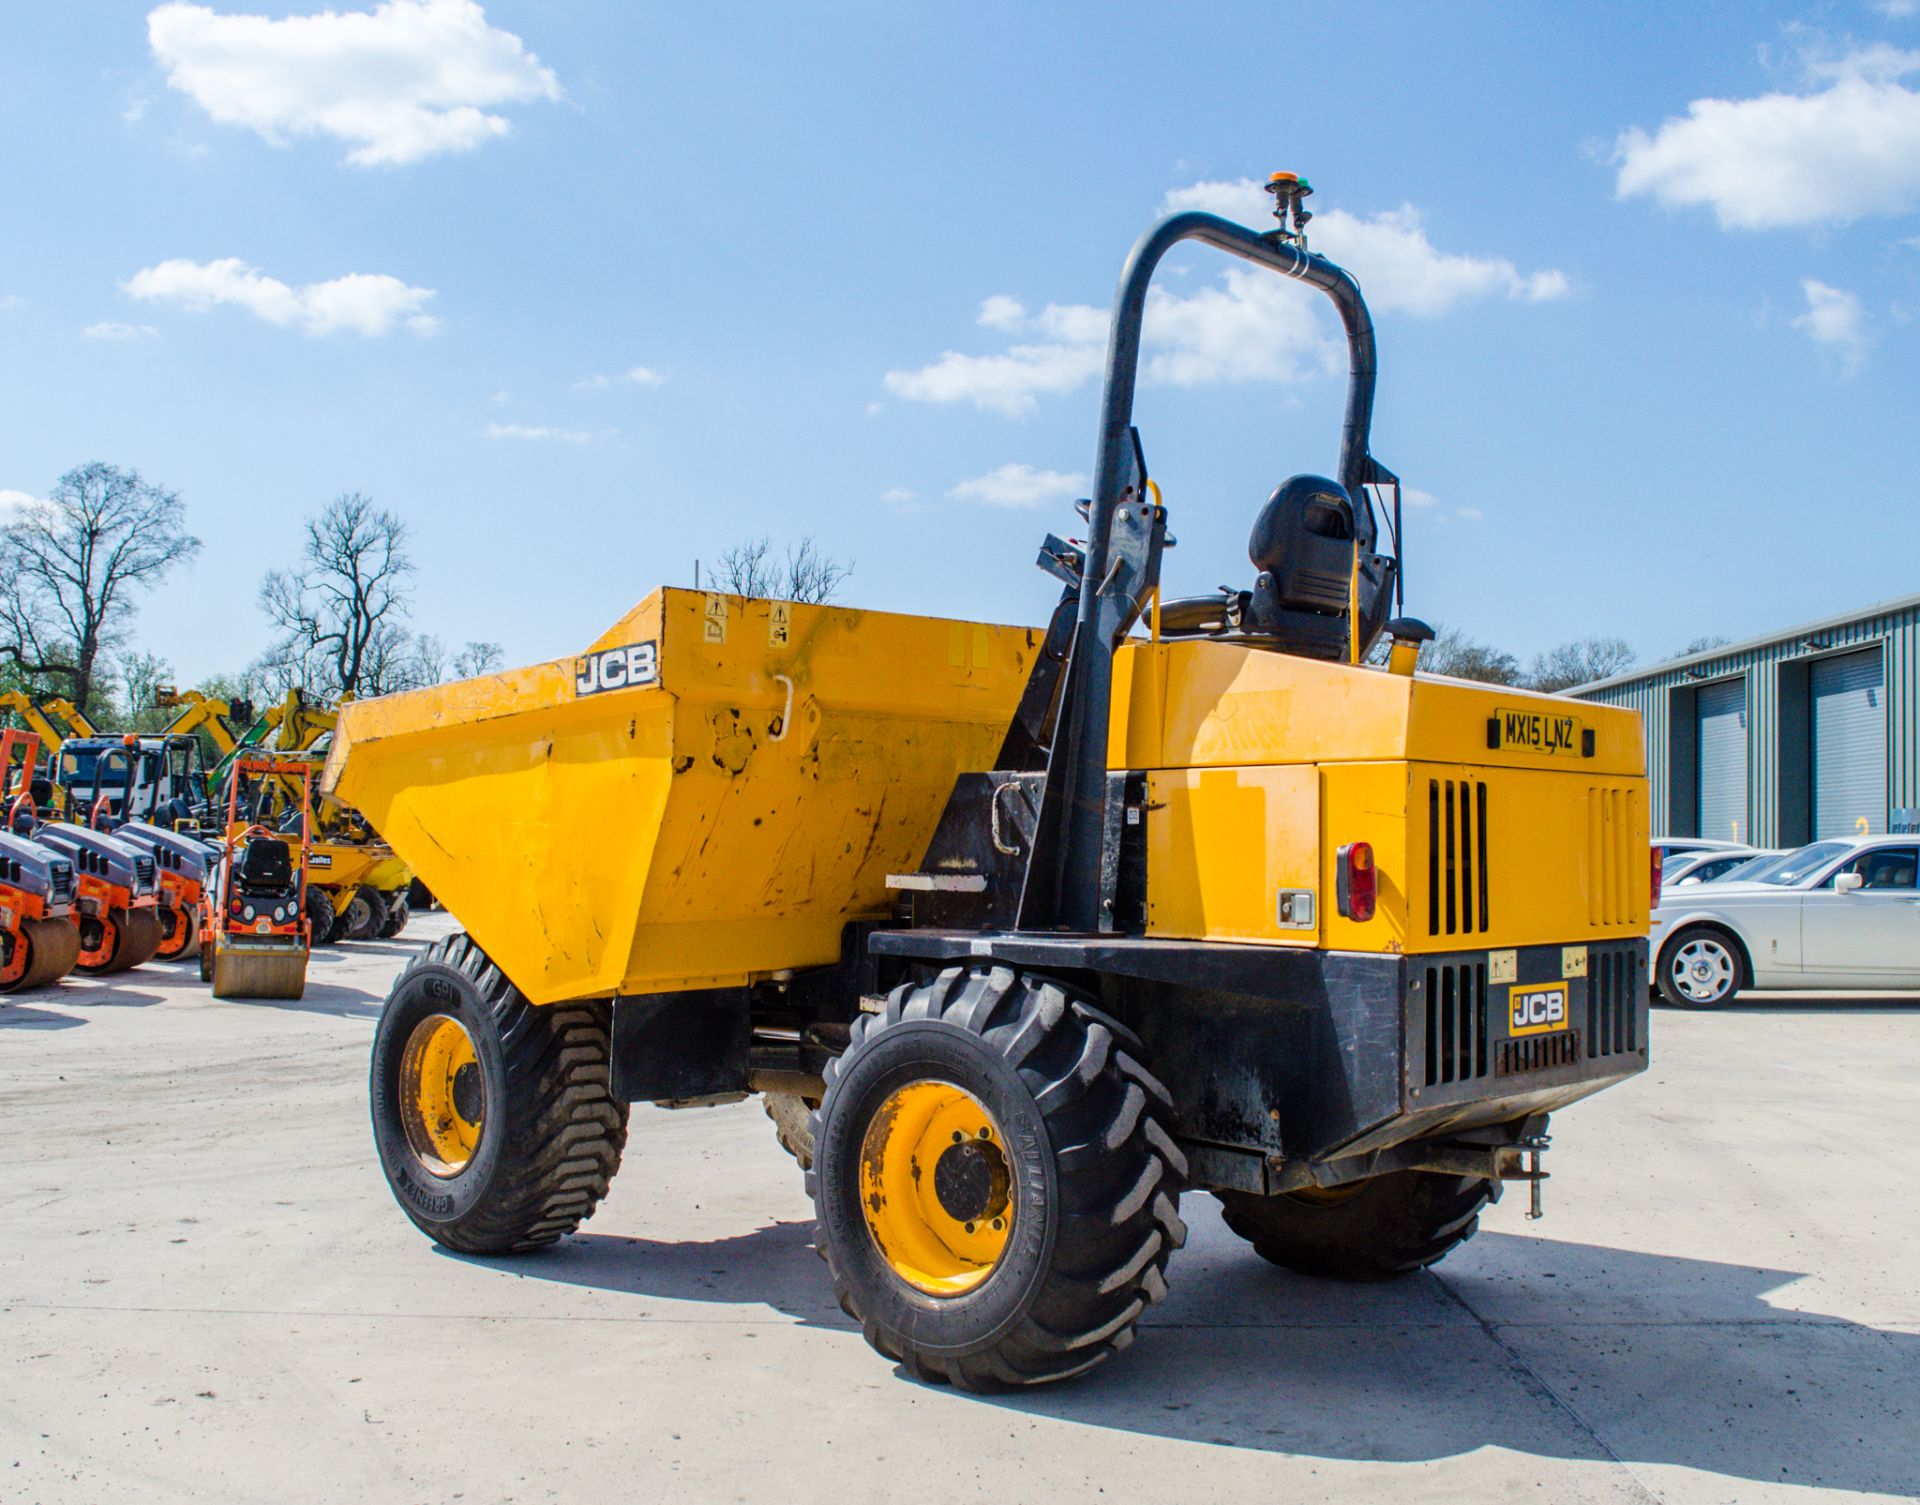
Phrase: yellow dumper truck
{"type": "Point", "coordinates": [1021, 931]}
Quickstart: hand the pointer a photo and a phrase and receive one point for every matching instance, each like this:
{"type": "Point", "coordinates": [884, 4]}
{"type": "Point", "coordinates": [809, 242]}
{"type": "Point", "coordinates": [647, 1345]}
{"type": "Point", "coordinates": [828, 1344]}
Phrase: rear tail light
{"type": "Point", "coordinates": [1355, 880]}
{"type": "Point", "coordinates": [1654, 901]}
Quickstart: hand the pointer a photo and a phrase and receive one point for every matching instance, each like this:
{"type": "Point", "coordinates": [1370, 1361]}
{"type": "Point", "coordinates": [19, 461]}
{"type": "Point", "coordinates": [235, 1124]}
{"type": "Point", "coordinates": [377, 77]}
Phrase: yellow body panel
{"type": "Point", "coordinates": [721, 819]}
{"type": "Point", "coordinates": [1558, 852]}
{"type": "Point", "coordinates": [1223, 843]}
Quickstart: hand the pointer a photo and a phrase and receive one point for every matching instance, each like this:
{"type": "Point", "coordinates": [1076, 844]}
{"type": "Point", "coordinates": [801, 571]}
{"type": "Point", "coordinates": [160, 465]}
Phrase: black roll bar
{"type": "Point", "coordinates": [1064, 888]}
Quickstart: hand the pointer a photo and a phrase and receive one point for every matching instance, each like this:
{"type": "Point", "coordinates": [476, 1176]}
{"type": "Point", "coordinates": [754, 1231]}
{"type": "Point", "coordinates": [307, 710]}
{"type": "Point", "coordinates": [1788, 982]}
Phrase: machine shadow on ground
{"type": "Point", "coordinates": [20, 1016]}
{"type": "Point", "coordinates": [1613, 1356]}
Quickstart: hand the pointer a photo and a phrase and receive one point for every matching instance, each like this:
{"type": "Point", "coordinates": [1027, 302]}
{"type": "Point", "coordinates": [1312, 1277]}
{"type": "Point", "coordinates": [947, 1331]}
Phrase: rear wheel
{"type": "Point", "coordinates": [117, 940]}
{"type": "Point", "coordinates": [996, 1184]}
{"type": "Point", "coordinates": [397, 914]}
{"type": "Point", "coordinates": [495, 1119]}
{"type": "Point", "coordinates": [1701, 968]}
{"type": "Point", "coordinates": [1375, 1229]}
{"type": "Point", "coordinates": [365, 913]}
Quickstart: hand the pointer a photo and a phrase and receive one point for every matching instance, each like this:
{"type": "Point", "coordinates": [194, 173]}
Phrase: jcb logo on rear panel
{"type": "Point", "coordinates": [617, 669]}
{"type": "Point", "coordinates": [1537, 1010]}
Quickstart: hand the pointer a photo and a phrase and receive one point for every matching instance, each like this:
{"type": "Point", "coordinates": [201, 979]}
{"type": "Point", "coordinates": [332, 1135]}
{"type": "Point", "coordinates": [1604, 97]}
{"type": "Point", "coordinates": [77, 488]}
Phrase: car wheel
{"type": "Point", "coordinates": [1701, 969]}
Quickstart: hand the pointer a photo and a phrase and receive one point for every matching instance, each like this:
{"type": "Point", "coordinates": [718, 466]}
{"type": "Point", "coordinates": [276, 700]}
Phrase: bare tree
{"type": "Point", "coordinates": [478, 658]}
{"type": "Point", "coordinates": [70, 569]}
{"type": "Point", "coordinates": [1580, 662]}
{"type": "Point", "coordinates": [341, 610]}
{"type": "Point", "coordinates": [140, 676]}
{"type": "Point", "coordinates": [803, 574]}
{"type": "Point", "coordinates": [1703, 644]}
{"type": "Point", "coordinates": [1458, 656]}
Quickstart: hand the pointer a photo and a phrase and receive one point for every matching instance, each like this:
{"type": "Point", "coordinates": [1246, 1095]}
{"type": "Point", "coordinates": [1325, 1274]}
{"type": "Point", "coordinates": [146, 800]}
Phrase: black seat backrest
{"type": "Point", "coordinates": [265, 864]}
{"type": "Point", "coordinates": [1303, 539]}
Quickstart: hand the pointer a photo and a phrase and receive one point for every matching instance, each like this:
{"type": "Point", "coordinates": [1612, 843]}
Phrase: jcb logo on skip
{"type": "Point", "coordinates": [617, 668]}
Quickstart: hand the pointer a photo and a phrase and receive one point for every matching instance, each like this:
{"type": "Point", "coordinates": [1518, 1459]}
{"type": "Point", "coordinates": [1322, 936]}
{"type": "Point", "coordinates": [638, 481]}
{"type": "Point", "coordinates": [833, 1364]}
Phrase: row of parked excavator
{"type": "Point", "coordinates": [121, 848]}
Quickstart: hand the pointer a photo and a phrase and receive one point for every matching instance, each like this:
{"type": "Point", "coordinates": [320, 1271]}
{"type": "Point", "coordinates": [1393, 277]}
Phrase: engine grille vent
{"type": "Point", "coordinates": [143, 869]}
{"type": "Point", "coordinates": [1614, 875]}
{"type": "Point", "coordinates": [1456, 856]}
{"type": "Point", "coordinates": [1539, 1053]}
{"type": "Point", "coordinates": [1456, 1022]}
{"type": "Point", "coordinates": [1613, 1016]}
{"type": "Point", "coordinates": [60, 879]}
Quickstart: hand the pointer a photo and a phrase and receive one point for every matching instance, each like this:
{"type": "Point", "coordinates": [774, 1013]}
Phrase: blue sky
{"type": "Point", "coordinates": [587, 290]}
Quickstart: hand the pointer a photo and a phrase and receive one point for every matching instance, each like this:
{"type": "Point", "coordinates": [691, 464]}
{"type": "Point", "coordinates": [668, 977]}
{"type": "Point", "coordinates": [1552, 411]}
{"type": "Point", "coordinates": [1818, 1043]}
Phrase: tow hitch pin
{"type": "Point", "coordinates": [1535, 1176]}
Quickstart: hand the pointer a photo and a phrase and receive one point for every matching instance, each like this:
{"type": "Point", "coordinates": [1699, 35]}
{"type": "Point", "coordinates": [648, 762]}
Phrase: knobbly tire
{"type": "Point", "coordinates": [549, 1135]}
{"type": "Point", "coordinates": [1091, 1184]}
{"type": "Point", "coordinates": [320, 915]}
{"type": "Point", "coordinates": [792, 1117]}
{"type": "Point", "coordinates": [397, 914]}
{"type": "Point", "coordinates": [365, 913]}
{"type": "Point", "coordinates": [1377, 1229]}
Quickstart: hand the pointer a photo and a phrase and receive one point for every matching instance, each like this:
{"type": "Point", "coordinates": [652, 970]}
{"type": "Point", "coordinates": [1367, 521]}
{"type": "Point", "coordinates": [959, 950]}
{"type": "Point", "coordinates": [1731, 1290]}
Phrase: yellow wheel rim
{"type": "Point", "coordinates": [936, 1187]}
{"type": "Point", "coordinates": [443, 1095]}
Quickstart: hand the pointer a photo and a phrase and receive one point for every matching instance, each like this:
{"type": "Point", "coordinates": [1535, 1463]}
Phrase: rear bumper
{"type": "Point", "coordinates": [1284, 1063]}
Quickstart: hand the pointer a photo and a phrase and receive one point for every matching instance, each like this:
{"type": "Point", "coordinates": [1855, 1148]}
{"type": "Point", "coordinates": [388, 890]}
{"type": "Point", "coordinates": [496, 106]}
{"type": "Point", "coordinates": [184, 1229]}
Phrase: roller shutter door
{"type": "Point", "coordinates": [1723, 760]}
{"type": "Point", "coordinates": [1849, 745]}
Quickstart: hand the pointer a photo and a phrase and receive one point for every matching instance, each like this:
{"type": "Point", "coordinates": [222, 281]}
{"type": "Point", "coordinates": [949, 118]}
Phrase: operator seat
{"type": "Point", "coordinates": [266, 865]}
{"type": "Point", "coordinates": [1305, 547]}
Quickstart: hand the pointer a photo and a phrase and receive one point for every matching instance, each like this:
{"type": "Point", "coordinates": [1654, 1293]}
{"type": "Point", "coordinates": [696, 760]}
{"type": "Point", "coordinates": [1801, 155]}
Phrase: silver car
{"type": "Point", "coordinates": [1706, 867]}
{"type": "Point", "coordinates": [1836, 914]}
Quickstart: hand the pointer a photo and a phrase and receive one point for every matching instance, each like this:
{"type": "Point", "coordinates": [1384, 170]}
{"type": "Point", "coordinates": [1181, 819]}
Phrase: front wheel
{"type": "Point", "coordinates": [1701, 968]}
{"type": "Point", "coordinates": [995, 1180]}
{"type": "Point", "coordinates": [179, 933]}
{"type": "Point", "coordinates": [117, 940]}
{"type": "Point", "coordinates": [1376, 1229]}
{"type": "Point", "coordinates": [494, 1118]}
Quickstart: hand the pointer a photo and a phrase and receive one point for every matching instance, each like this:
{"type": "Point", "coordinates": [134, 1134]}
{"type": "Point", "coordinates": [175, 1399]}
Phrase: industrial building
{"type": "Point", "coordinates": [1806, 733]}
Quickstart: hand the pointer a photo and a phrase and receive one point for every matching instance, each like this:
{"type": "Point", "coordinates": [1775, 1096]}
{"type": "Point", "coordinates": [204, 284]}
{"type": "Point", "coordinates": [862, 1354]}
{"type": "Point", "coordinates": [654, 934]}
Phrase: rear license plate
{"type": "Point", "coordinates": [1537, 1008]}
{"type": "Point", "coordinates": [1546, 732]}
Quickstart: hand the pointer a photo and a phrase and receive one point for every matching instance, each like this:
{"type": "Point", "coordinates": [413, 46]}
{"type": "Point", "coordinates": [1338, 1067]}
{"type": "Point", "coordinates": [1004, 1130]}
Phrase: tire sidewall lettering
{"type": "Point", "coordinates": [433, 987]}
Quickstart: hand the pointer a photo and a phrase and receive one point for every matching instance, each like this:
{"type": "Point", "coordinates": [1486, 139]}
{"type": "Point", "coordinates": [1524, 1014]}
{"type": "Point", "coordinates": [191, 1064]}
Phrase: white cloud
{"type": "Point", "coordinates": [896, 496]}
{"type": "Point", "coordinates": [1002, 312]}
{"type": "Point", "coordinates": [407, 80]}
{"type": "Point", "coordinates": [1470, 514]}
{"type": "Point", "coordinates": [12, 300]}
{"type": "Point", "coordinates": [112, 331]}
{"type": "Point", "coordinates": [1246, 326]}
{"type": "Point", "coordinates": [17, 506]}
{"type": "Point", "coordinates": [536, 431]}
{"type": "Point", "coordinates": [1834, 319]}
{"type": "Point", "coordinates": [364, 303]}
{"type": "Point", "coordinates": [638, 376]}
{"type": "Point", "coordinates": [1847, 150]}
{"type": "Point", "coordinates": [1398, 268]}
{"type": "Point", "coordinates": [1413, 496]}
{"type": "Point", "coordinates": [1897, 10]}
{"type": "Point", "coordinates": [1020, 486]}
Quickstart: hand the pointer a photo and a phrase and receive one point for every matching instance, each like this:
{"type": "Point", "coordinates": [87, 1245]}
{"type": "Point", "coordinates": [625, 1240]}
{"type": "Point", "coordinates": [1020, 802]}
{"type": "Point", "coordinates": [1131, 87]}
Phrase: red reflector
{"type": "Point", "coordinates": [1356, 880]}
{"type": "Point", "coordinates": [1654, 902]}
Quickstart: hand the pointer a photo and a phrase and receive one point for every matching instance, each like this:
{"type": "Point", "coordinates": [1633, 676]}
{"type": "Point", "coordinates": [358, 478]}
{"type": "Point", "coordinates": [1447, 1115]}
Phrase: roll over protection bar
{"type": "Point", "coordinates": [1064, 888]}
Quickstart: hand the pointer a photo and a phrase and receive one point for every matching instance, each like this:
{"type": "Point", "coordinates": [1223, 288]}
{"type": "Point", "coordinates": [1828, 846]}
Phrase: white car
{"type": "Point", "coordinates": [1836, 914]}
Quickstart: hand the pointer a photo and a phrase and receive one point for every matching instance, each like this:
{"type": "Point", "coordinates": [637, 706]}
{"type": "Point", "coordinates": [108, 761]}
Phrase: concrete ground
{"type": "Point", "coordinates": [206, 1293]}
